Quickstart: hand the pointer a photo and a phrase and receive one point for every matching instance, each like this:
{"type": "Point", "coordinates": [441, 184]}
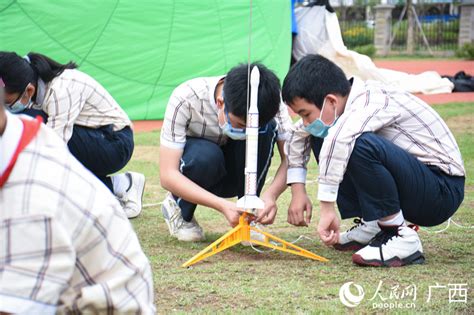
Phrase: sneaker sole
{"type": "Point", "coordinates": [351, 246]}
{"type": "Point", "coordinates": [191, 239]}
{"type": "Point", "coordinates": [163, 212]}
{"type": "Point", "coordinates": [414, 259]}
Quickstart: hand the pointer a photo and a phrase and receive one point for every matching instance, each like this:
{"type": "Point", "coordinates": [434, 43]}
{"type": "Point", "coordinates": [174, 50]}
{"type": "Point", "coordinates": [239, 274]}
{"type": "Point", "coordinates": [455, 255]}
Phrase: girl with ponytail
{"type": "Point", "coordinates": [81, 111]}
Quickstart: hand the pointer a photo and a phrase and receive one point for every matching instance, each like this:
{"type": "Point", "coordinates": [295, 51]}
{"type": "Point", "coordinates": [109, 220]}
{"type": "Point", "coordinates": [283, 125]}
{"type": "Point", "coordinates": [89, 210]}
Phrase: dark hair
{"type": "Point", "coordinates": [312, 78]}
{"type": "Point", "coordinates": [235, 91]}
{"type": "Point", "coordinates": [17, 72]}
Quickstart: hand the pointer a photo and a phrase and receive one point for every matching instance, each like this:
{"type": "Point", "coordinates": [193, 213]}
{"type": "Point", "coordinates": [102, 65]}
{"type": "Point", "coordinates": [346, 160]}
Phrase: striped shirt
{"type": "Point", "coordinates": [395, 115]}
{"type": "Point", "coordinates": [75, 98]}
{"type": "Point", "coordinates": [66, 245]}
{"type": "Point", "coordinates": [192, 112]}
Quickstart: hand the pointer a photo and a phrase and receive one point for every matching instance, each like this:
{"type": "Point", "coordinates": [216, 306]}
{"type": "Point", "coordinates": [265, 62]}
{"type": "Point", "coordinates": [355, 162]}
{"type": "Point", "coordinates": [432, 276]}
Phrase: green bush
{"type": "Point", "coordinates": [358, 35]}
{"type": "Point", "coordinates": [368, 50]}
{"type": "Point", "coordinates": [466, 51]}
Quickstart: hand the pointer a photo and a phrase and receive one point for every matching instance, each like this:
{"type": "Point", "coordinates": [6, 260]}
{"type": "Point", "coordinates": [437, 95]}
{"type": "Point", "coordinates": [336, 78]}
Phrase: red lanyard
{"type": "Point", "coordinates": [30, 129]}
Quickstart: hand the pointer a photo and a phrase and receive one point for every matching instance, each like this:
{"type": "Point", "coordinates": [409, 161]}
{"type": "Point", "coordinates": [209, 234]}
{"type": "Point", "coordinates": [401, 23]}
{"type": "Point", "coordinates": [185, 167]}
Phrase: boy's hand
{"type": "Point", "coordinates": [267, 214]}
{"type": "Point", "coordinates": [231, 212]}
{"type": "Point", "coordinates": [329, 223]}
{"type": "Point", "coordinates": [299, 205]}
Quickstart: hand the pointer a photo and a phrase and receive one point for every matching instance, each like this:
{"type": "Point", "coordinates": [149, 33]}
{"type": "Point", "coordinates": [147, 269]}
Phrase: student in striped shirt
{"type": "Point", "coordinates": [66, 246]}
{"type": "Point", "coordinates": [384, 156]}
{"type": "Point", "coordinates": [202, 148]}
{"type": "Point", "coordinates": [96, 129]}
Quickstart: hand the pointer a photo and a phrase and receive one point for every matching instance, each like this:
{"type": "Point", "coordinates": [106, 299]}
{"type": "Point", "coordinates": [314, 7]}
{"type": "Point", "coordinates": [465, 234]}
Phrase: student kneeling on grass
{"type": "Point", "coordinates": [384, 155]}
{"type": "Point", "coordinates": [96, 129]}
{"type": "Point", "coordinates": [66, 245]}
{"type": "Point", "coordinates": [202, 148]}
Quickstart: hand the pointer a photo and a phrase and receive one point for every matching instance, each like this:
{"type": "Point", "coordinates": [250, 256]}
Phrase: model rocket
{"type": "Point", "coordinates": [250, 201]}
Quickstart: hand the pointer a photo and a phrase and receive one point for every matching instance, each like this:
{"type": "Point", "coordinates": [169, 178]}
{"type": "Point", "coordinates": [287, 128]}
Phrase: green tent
{"type": "Point", "coordinates": [141, 50]}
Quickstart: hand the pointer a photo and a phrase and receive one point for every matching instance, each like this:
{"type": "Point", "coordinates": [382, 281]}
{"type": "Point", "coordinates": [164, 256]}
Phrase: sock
{"type": "Point", "coordinates": [120, 182]}
{"type": "Point", "coordinates": [374, 222]}
{"type": "Point", "coordinates": [397, 220]}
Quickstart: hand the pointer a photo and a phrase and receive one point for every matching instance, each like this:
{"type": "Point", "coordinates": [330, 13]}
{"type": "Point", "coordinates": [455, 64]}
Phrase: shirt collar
{"type": "Point", "coordinates": [357, 88]}
{"type": "Point", "coordinates": [41, 92]}
{"type": "Point", "coordinates": [9, 140]}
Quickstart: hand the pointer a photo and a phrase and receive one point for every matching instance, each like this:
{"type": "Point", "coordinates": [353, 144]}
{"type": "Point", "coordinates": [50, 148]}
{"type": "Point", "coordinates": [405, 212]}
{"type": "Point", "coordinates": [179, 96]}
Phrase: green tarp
{"type": "Point", "coordinates": [141, 50]}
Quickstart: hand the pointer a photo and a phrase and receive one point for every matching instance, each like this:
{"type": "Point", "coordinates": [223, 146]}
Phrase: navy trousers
{"type": "Point", "coordinates": [102, 151]}
{"type": "Point", "coordinates": [220, 169]}
{"type": "Point", "coordinates": [382, 178]}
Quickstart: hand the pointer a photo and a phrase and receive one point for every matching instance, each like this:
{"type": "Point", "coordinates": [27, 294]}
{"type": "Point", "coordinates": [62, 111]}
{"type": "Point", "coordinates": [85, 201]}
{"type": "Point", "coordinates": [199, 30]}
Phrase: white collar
{"type": "Point", "coordinates": [40, 92]}
{"type": "Point", "coordinates": [357, 88]}
{"type": "Point", "coordinates": [9, 140]}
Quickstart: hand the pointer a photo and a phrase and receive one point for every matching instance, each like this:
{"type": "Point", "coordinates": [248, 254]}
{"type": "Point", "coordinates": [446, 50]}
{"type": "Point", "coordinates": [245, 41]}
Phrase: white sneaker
{"type": "Point", "coordinates": [254, 235]}
{"type": "Point", "coordinates": [132, 198]}
{"type": "Point", "coordinates": [394, 246]}
{"type": "Point", "coordinates": [357, 236]}
{"type": "Point", "coordinates": [178, 227]}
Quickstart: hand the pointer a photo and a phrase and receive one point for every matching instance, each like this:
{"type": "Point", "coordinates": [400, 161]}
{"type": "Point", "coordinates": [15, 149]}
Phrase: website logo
{"type": "Point", "coordinates": [347, 297]}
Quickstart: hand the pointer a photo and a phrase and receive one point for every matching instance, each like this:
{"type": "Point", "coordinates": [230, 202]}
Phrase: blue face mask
{"type": "Point", "coordinates": [236, 133]}
{"type": "Point", "coordinates": [18, 106]}
{"type": "Point", "coordinates": [318, 128]}
{"type": "Point", "coordinates": [231, 132]}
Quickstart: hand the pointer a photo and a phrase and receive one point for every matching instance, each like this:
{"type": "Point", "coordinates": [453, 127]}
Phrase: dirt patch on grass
{"type": "Point", "coordinates": [461, 124]}
{"type": "Point", "coordinates": [146, 153]}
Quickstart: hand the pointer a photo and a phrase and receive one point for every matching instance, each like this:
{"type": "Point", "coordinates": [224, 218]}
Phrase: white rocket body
{"type": "Point", "coordinates": [250, 201]}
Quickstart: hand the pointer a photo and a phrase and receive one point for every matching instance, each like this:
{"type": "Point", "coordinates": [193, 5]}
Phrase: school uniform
{"type": "Point", "coordinates": [388, 151]}
{"type": "Point", "coordinates": [96, 129]}
{"type": "Point", "coordinates": [211, 159]}
{"type": "Point", "coordinates": [67, 246]}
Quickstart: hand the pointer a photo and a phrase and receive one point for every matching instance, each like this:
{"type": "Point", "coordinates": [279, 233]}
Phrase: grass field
{"type": "Point", "coordinates": [240, 280]}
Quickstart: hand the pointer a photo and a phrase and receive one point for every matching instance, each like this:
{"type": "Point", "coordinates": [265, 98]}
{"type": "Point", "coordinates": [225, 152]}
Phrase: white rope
{"type": "Point", "coordinates": [149, 205]}
{"type": "Point", "coordinates": [429, 230]}
{"type": "Point", "coordinates": [276, 244]}
{"type": "Point", "coordinates": [450, 220]}
{"type": "Point", "coordinates": [461, 226]}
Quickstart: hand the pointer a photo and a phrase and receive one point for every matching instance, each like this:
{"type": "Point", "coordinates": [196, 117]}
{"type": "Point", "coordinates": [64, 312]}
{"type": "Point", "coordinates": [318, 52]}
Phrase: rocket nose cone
{"type": "Point", "coordinates": [255, 76]}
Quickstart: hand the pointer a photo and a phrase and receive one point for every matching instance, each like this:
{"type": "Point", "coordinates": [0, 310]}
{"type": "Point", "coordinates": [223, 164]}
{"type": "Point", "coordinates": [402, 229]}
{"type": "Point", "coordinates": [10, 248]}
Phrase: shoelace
{"type": "Point", "coordinates": [383, 237]}
{"type": "Point", "coordinates": [358, 222]}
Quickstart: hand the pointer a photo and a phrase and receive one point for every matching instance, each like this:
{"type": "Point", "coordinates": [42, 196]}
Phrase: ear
{"type": "Point", "coordinates": [30, 90]}
{"type": "Point", "coordinates": [220, 102]}
{"type": "Point", "coordinates": [332, 100]}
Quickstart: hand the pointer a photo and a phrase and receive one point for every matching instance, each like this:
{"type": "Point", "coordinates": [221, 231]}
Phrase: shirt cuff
{"type": "Point", "coordinates": [283, 136]}
{"type": "Point", "coordinates": [172, 145]}
{"type": "Point", "coordinates": [327, 192]}
{"type": "Point", "coordinates": [296, 175]}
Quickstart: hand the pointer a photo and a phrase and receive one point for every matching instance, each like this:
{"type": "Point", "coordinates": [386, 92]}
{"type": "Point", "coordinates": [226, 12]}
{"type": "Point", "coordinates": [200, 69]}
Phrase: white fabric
{"type": "Point", "coordinates": [9, 141]}
{"type": "Point", "coordinates": [19, 306]}
{"type": "Point", "coordinates": [396, 220]}
{"type": "Point", "coordinates": [319, 33]}
{"type": "Point", "coordinates": [192, 112]}
{"type": "Point", "coordinates": [120, 184]}
{"type": "Point", "coordinates": [65, 243]}
{"type": "Point", "coordinates": [75, 98]}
